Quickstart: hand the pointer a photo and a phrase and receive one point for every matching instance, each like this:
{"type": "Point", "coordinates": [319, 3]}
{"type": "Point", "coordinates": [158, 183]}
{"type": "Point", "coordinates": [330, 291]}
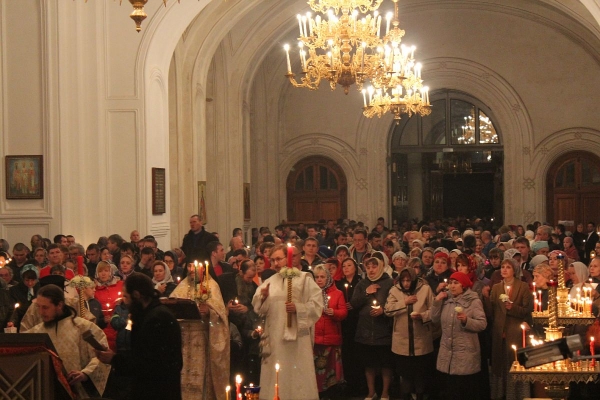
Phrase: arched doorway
{"type": "Point", "coordinates": [316, 189]}
{"type": "Point", "coordinates": [573, 189]}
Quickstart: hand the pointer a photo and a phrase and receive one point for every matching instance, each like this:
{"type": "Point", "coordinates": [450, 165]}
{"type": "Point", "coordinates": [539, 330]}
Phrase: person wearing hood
{"type": "Point", "coordinates": [24, 292]}
{"type": "Point", "coordinates": [460, 312]}
{"type": "Point", "coordinates": [409, 302]}
{"type": "Point", "coordinates": [374, 332]}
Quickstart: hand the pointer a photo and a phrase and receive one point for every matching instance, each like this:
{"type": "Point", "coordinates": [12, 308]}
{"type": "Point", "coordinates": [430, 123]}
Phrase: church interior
{"type": "Point", "coordinates": [195, 114]}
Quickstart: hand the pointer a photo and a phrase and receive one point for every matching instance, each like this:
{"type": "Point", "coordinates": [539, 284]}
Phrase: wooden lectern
{"type": "Point", "coordinates": [30, 369]}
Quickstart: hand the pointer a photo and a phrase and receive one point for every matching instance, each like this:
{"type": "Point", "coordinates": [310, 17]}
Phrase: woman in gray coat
{"type": "Point", "coordinates": [461, 315]}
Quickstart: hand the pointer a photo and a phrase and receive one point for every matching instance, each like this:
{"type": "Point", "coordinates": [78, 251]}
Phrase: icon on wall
{"type": "Point", "coordinates": [24, 177]}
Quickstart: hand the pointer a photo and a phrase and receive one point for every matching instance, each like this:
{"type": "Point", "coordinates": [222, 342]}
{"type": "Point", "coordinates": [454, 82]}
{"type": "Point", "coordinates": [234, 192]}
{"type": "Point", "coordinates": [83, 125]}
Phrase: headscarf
{"type": "Point", "coordinates": [413, 280]}
{"type": "Point", "coordinates": [328, 282]}
{"type": "Point", "coordinates": [399, 254]}
{"type": "Point", "coordinates": [380, 269]}
{"type": "Point", "coordinates": [581, 271]}
{"type": "Point", "coordinates": [111, 280]}
{"type": "Point", "coordinates": [168, 278]}
{"type": "Point", "coordinates": [30, 267]}
{"type": "Point", "coordinates": [537, 260]}
{"type": "Point", "coordinates": [537, 246]}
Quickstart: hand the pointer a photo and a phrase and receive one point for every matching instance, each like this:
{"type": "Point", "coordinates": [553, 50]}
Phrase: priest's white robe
{"type": "Point", "coordinates": [75, 353]}
{"type": "Point", "coordinates": [291, 347]}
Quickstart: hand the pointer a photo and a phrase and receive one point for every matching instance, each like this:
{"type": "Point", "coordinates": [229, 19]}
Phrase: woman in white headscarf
{"type": "Point", "coordinates": [162, 279]}
{"type": "Point", "coordinates": [579, 275]}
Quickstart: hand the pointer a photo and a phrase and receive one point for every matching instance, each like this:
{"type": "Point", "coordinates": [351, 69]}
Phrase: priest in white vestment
{"type": "Point", "coordinates": [289, 346]}
{"type": "Point", "coordinates": [85, 373]}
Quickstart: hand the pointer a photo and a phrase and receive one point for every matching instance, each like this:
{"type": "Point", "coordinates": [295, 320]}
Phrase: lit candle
{"type": "Point", "coordinates": [80, 265]}
{"type": "Point", "coordinates": [238, 387]}
{"type": "Point", "coordinates": [227, 389]}
{"type": "Point", "coordinates": [375, 305]}
{"type": "Point", "coordinates": [592, 350]}
{"type": "Point", "coordinates": [508, 290]}
{"type": "Point", "coordinates": [276, 382]}
{"type": "Point", "coordinates": [290, 255]}
{"type": "Point", "coordinates": [540, 299]}
{"type": "Point", "coordinates": [206, 271]}
{"type": "Point", "coordinates": [523, 329]}
{"type": "Point", "coordinates": [346, 286]}
{"type": "Point", "coordinates": [536, 304]}
{"type": "Point", "coordinates": [328, 298]}
{"type": "Point", "coordinates": [515, 349]}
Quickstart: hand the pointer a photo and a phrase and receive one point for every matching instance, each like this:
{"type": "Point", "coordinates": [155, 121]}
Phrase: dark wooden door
{"type": "Point", "coordinates": [316, 189]}
{"type": "Point", "coordinates": [573, 189]}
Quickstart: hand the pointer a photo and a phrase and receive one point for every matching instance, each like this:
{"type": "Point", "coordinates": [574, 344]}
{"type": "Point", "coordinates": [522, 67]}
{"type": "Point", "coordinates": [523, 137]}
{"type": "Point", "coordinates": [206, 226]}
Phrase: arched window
{"type": "Point", "coordinates": [454, 152]}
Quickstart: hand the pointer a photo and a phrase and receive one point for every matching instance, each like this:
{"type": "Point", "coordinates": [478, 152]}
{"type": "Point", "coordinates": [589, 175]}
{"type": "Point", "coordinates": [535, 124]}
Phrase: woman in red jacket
{"type": "Point", "coordinates": [328, 334]}
{"type": "Point", "coordinates": [109, 291]}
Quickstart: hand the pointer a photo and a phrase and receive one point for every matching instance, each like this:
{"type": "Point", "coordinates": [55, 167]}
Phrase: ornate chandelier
{"type": "Point", "coordinates": [345, 48]}
{"type": "Point", "coordinates": [335, 47]}
{"type": "Point", "coordinates": [397, 84]}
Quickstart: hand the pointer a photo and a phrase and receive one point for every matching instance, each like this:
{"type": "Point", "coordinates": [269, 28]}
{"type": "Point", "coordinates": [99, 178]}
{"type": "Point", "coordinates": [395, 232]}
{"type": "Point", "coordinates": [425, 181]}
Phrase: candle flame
{"type": "Point", "coordinates": [196, 263]}
{"type": "Point", "coordinates": [592, 339]}
{"type": "Point", "coordinates": [206, 263]}
{"type": "Point", "coordinates": [17, 305]}
{"type": "Point", "coordinates": [346, 285]}
{"type": "Point", "coordinates": [522, 326]}
{"type": "Point", "coordinates": [514, 347]}
{"type": "Point", "coordinates": [238, 379]}
{"type": "Point", "coordinates": [277, 367]}
{"type": "Point", "coordinates": [227, 388]}
{"type": "Point", "coordinates": [289, 244]}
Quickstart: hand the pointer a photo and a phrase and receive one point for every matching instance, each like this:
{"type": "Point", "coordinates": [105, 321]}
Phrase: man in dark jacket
{"type": "Point", "coordinates": [194, 243]}
{"type": "Point", "coordinates": [155, 361]}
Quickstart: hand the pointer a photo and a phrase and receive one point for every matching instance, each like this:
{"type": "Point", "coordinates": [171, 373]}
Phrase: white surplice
{"type": "Point", "coordinates": [291, 347]}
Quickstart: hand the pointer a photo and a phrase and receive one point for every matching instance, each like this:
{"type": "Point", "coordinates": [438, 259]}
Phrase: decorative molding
{"type": "Point", "coordinates": [362, 184]}
{"type": "Point", "coordinates": [528, 183]}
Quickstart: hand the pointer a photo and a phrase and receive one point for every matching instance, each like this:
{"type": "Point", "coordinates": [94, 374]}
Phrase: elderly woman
{"type": "Point", "coordinates": [109, 289]}
{"type": "Point", "coordinates": [460, 312]}
{"type": "Point", "coordinates": [373, 332]}
{"type": "Point", "coordinates": [409, 302]}
{"type": "Point", "coordinates": [162, 279]}
{"type": "Point", "coordinates": [399, 261]}
{"type": "Point", "coordinates": [509, 305]}
{"type": "Point", "coordinates": [327, 349]}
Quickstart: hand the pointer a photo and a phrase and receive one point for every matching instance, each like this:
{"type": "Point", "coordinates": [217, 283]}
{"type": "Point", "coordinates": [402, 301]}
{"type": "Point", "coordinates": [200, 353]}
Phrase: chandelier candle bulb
{"type": "Point", "coordinates": [299, 23]}
{"type": "Point", "coordinates": [364, 93]}
{"type": "Point", "coordinates": [304, 30]}
{"type": "Point", "coordinates": [287, 54]}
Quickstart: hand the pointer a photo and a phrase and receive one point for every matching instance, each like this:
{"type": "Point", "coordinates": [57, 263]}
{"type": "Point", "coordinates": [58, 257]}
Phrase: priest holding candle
{"type": "Point", "coordinates": [288, 345]}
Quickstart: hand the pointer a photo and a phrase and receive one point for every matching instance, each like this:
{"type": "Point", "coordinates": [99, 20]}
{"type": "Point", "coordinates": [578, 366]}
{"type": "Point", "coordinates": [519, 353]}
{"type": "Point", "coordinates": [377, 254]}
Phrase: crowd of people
{"type": "Point", "coordinates": [333, 310]}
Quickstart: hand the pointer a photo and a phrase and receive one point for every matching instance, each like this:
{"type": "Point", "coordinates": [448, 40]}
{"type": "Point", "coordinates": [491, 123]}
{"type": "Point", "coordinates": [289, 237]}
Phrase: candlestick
{"type": "Point", "coordinates": [80, 265]}
{"type": "Point", "coordinates": [276, 397]}
{"type": "Point", "coordinates": [238, 386]}
{"type": "Point", "coordinates": [523, 328]}
{"type": "Point", "coordinates": [515, 349]}
{"type": "Point", "coordinates": [227, 389]}
{"type": "Point", "coordinates": [206, 270]}
{"type": "Point", "coordinates": [290, 255]}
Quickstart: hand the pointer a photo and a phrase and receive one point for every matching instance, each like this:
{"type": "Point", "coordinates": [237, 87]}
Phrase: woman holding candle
{"type": "Point", "coordinates": [509, 305]}
{"type": "Point", "coordinates": [353, 371]}
{"type": "Point", "coordinates": [399, 261]}
{"type": "Point", "coordinates": [374, 331]}
{"type": "Point", "coordinates": [176, 271]}
{"type": "Point", "coordinates": [461, 315]}
{"type": "Point", "coordinates": [206, 355]}
{"type": "Point", "coordinates": [108, 292]}
{"type": "Point", "coordinates": [328, 335]}
{"type": "Point", "coordinates": [579, 275]}
{"type": "Point", "coordinates": [162, 279]}
{"type": "Point", "coordinates": [542, 275]}
{"type": "Point", "coordinates": [409, 302]}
